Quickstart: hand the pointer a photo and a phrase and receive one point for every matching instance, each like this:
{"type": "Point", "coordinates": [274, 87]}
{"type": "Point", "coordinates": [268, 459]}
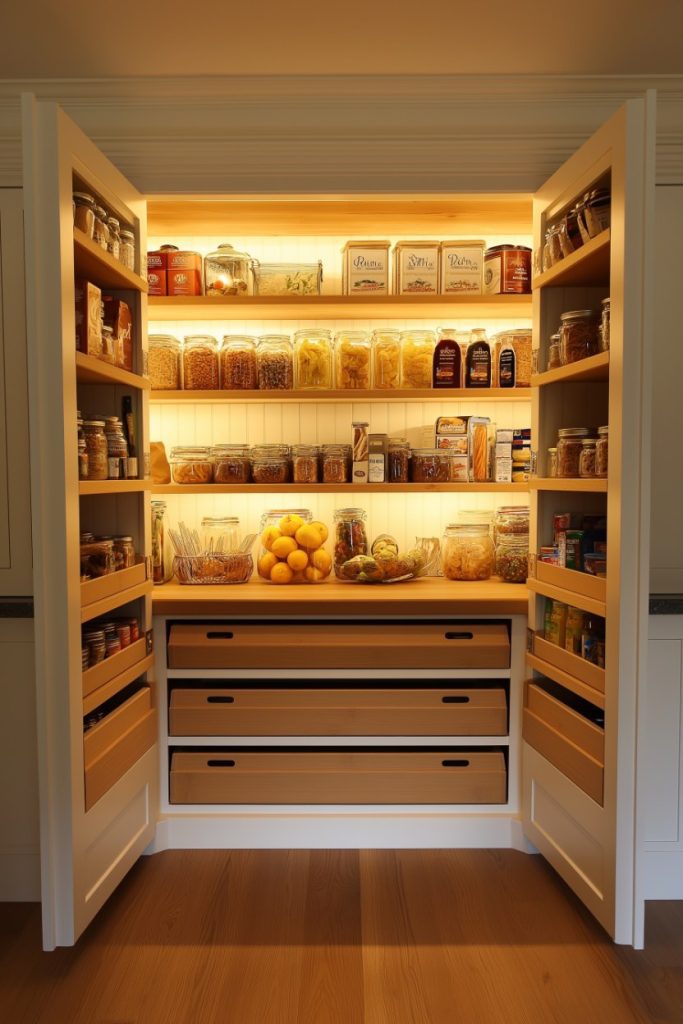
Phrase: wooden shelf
{"type": "Point", "coordinates": [574, 670]}
{"type": "Point", "coordinates": [97, 675]}
{"type": "Point", "coordinates": [90, 370]}
{"type": "Point", "coordinates": [593, 485]}
{"type": "Point", "coordinates": [594, 368]}
{"type": "Point", "coordinates": [112, 486]}
{"type": "Point", "coordinates": [588, 266]}
{"type": "Point", "coordinates": [115, 684]}
{"type": "Point", "coordinates": [579, 589]}
{"type": "Point", "coordinates": [358, 489]}
{"type": "Point", "coordinates": [121, 597]}
{"type": "Point", "coordinates": [93, 263]}
{"type": "Point", "coordinates": [338, 307]}
{"type": "Point", "coordinates": [374, 395]}
{"type": "Point", "coordinates": [102, 595]}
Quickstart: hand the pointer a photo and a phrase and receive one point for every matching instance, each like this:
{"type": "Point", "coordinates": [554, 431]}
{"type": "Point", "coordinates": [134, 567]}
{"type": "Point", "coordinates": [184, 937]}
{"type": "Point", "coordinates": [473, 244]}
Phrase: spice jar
{"type": "Point", "coordinates": [569, 445]}
{"type": "Point", "coordinates": [551, 466]}
{"type": "Point", "coordinates": [238, 363]}
{"type": "Point", "coordinates": [226, 271]}
{"type": "Point", "coordinates": [117, 446]}
{"type": "Point", "coordinates": [352, 360]}
{"type": "Point", "coordinates": [231, 464]}
{"type": "Point", "coordinates": [127, 248]}
{"type": "Point", "coordinates": [417, 355]}
{"type": "Point", "coordinates": [335, 464]}
{"type": "Point", "coordinates": [350, 536]}
{"type": "Point", "coordinates": [597, 211]}
{"type": "Point", "coordinates": [114, 237]}
{"type": "Point", "coordinates": [200, 363]}
{"type": "Point", "coordinates": [191, 465]}
{"type": "Point", "coordinates": [270, 466]}
{"type": "Point", "coordinates": [398, 460]}
{"type": "Point", "coordinates": [313, 359]}
{"type": "Point", "coordinates": [578, 335]}
{"type": "Point", "coordinates": [100, 230]}
{"type": "Point", "coordinates": [554, 352]}
{"type": "Point", "coordinates": [467, 552]}
{"type": "Point", "coordinates": [163, 362]}
{"type": "Point", "coordinates": [220, 533]}
{"type": "Point", "coordinates": [108, 353]}
{"type": "Point", "coordinates": [512, 559]}
{"type": "Point", "coordinates": [602, 452]}
{"type": "Point", "coordinates": [587, 457]}
{"type": "Point", "coordinates": [304, 464]}
{"type": "Point", "coordinates": [84, 213]}
{"type": "Point", "coordinates": [275, 363]}
{"type": "Point", "coordinates": [96, 445]}
{"type": "Point", "coordinates": [604, 325]}
{"type": "Point", "coordinates": [429, 465]}
{"type": "Point", "coordinates": [124, 552]}
{"type": "Point", "coordinates": [386, 359]}
{"type": "Point", "coordinates": [162, 556]}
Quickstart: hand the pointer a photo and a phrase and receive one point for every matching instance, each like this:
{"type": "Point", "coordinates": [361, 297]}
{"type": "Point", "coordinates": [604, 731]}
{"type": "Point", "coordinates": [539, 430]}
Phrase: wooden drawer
{"type": "Point", "coordinates": [566, 738]}
{"type": "Point", "coordinates": [98, 675]}
{"type": "Point", "coordinates": [112, 583]}
{"type": "Point", "coordinates": [338, 777]}
{"type": "Point", "coordinates": [112, 746]}
{"type": "Point", "coordinates": [443, 711]}
{"type": "Point", "coordinates": [338, 645]}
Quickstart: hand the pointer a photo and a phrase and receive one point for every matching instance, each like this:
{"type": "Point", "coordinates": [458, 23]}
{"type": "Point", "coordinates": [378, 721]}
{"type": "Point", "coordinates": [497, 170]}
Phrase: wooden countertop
{"type": "Point", "coordinates": [428, 596]}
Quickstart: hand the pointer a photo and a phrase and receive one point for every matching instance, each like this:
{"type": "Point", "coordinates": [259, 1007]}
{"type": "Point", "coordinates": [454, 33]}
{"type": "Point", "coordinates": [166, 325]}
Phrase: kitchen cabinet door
{"type": "Point", "coordinates": [589, 836]}
{"type": "Point", "coordinates": [90, 835]}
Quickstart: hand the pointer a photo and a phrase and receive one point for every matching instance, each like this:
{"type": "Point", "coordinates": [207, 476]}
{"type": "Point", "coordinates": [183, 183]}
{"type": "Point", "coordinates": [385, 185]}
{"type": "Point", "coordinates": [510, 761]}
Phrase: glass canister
{"type": "Point", "coordinates": [604, 325]}
{"type": "Point", "coordinates": [96, 447]}
{"type": "Point", "coordinates": [117, 446]}
{"type": "Point", "coordinates": [163, 362]}
{"type": "Point", "coordinates": [200, 363]}
{"type": "Point", "coordinates": [570, 237]}
{"type": "Point", "coordinates": [84, 213]}
{"type": "Point", "coordinates": [162, 556]}
{"type": "Point", "coordinates": [304, 464]}
{"type": "Point", "coordinates": [227, 271]}
{"type": "Point", "coordinates": [114, 239]}
{"type": "Point", "coordinates": [350, 535]}
{"type": "Point", "coordinates": [127, 248]}
{"type": "Point", "coordinates": [335, 464]}
{"type": "Point", "coordinates": [554, 352]}
{"type": "Point", "coordinates": [231, 464]}
{"type": "Point", "coordinates": [292, 547]}
{"type": "Point", "coordinates": [602, 452]}
{"type": "Point", "coordinates": [417, 354]}
{"type": "Point", "coordinates": [578, 335]}
{"type": "Point", "coordinates": [551, 466]}
{"type": "Point", "coordinates": [108, 353]}
{"type": "Point", "coordinates": [467, 552]}
{"type": "Point", "coordinates": [569, 446]}
{"type": "Point", "coordinates": [124, 552]}
{"type": "Point", "coordinates": [237, 359]}
{"type": "Point", "coordinates": [552, 250]}
{"type": "Point", "coordinates": [275, 363]}
{"type": "Point", "coordinates": [512, 558]}
{"type": "Point", "coordinates": [220, 534]}
{"type": "Point", "coordinates": [587, 457]}
{"type": "Point", "coordinates": [398, 461]}
{"type": "Point", "coordinates": [313, 359]}
{"type": "Point", "coordinates": [100, 233]}
{"type": "Point", "coordinates": [520, 341]}
{"type": "Point", "coordinates": [270, 464]}
{"type": "Point", "coordinates": [511, 521]}
{"type": "Point", "coordinates": [352, 360]}
{"type": "Point", "coordinates": [429, 465]}
{"type": "Point", "coordinates": [386, 360]}
{"type": "Point", "coordinates": [191, 465]}
{"type": "Point", "coordinates": [597, 211]}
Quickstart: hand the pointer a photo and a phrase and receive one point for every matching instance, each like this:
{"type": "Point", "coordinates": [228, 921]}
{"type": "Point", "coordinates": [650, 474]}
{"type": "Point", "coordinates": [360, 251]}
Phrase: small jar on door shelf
{"type": "Point", "coordinates": [124, 552]}
{"type": "Point", "coordinates": [237, 359]}
{"type": "Point", "coordinates": [200, 363]}
{"type": "Point", "coordinates": [163, 362]}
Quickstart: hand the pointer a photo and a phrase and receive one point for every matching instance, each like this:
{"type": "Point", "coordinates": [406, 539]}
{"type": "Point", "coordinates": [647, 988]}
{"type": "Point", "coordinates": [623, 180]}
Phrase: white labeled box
{"type": "Point", "coordinates": [416, 268]}
{"type": "Point", "coordinates": [365, 268]}
{"type": "Point", "coordinates": [462, 267]}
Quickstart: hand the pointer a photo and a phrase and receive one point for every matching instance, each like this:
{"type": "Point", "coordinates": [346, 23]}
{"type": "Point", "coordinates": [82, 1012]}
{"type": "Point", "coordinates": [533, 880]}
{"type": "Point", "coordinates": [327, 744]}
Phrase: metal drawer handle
{"type": "Point", "coordinates": [220, 762]}
{"type": "Point", "coordinates": [219, 634]}
{"type": "Point", "coordinates": [455, 700]}
{"type": "Point", "coordinates": [459, 635]}
{"type": "Point", "coordinates": [220, 700]}
{"type": "Point", "coordinates": [459, 763]}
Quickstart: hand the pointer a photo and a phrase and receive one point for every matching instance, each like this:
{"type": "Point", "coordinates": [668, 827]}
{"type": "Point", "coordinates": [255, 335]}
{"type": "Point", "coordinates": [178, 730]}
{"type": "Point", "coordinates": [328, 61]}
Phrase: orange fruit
{"type": "Point", "coordinates": [269, 536]}
{"type": "Point", "coordinates": [265, 564]}
{"type": "Point", "coordinates": [314, 575]}
{"type": "Point", "coordinates": [309, 537]}
{"type": "Point", "coordinates": [283, 546]}
{"type": "Point", "coordinates": [281, 573]}
{"type": "Point", "coordinates": [320, 559]}
{"type": "Point", "coordinates": [297, 560]}
{"type": "Point", "coordinates": [322, 529]}
{"type": "Point", "coordinates": [298, 577]}
{"type": "Point", "coordinates": [289, 524]}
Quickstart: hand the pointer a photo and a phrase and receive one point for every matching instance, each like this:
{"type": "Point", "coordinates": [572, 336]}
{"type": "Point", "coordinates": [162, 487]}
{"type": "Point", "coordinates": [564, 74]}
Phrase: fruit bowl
{"type": "Point", "coordinates": [213, 568]}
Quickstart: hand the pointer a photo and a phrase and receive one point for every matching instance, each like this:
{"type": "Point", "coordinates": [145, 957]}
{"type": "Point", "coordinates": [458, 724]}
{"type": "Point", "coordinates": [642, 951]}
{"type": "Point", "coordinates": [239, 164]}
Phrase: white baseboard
{"type": "Point", "coordinates": [661, 874]}
{"type": "Point", "coordinates": [20, 875]}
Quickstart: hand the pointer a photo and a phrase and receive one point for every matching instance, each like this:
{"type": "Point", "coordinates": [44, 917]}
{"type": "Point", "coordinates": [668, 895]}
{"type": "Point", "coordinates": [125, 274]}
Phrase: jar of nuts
{"type": "Point", "coordinates": [275, 363]}
{"type": "Point", "coordinates": [163, 361]}
{"type": "Point", "coordinates": [238, 363]}
{"type": "Point", "coordinates": [200, 363]}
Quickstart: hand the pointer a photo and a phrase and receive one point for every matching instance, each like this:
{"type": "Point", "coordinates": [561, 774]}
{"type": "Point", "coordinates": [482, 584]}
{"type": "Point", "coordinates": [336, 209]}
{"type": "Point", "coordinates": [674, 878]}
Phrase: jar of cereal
{"type": "Point", "coordinates": [274, 363]}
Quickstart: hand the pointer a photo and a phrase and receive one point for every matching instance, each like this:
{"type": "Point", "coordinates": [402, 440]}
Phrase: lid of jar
{"type": "Point", "coordinates": [469, 528]}
{"type": "Point", "coordinates": [161, 340]}
{"type": "Point", "coordinates": [158, 505]}
{"type": "Point", "coordinates": [552, 449]}
{"type": "Point", "coordinates": [271, 449]}
{"type": "Point", "coordinates": [501, 248]}
{"type": "Point", "coordinates": [578, 314]}
{"type": "Point", "coordinates": [168, 248]}
{"type": "Point", "coordinates": [87, 537]}
{"type": "Point", "coordinates": [230, 449]}
{"type": "Point", "coordinates": [304, 449]}
{"type": "Point", "coordinates": [600, 194]}
{"type": "Point", "coordinates": [238, 341]}
{"type": "Point", "coordinates": [93, 423]}
{"type": "Point", "coordinates": [227, 251]}
{"type": "Point", "coordinates": [190, 452]}
{"type": "Point", "coordinates": [398, 442]}
{"type": "Point", "coordinates": [127, 233]}
{"type": "Point", "coordinates": [386, 333]}
{"type": "Point", "coordinates": [100, 211]}
{"type": "Point", "coordinates": [197, 340]}
{"type": "Point", "coordinates": [587, 441]}
{"type": "Point", "coordinates": [351, 513]}
{"type": "Point", "coordinates": [554, 339]}
{"type": "Point", "coordinates": [417, 336]}
{"type": "Point", "coordinates": [114, 221]}
{"type": "Point", "coordinates": [441, 452]}
{"type": "Point", "coordinates": [333, 449]}
{"type": "Point", "coordinates": [353, 336]}
{"type": "Point", "coordinates": [288, 512]}
{"type": "Point", "coordinates": [123, 539]}
{"type": "Point", "coordinates": [573, 432]}
{"type": "Point", "coordinates": [606, 302]}
{"type": "Point", "coordinates": [84, 198]}
{"type": "Point", "coordinates": [107, 330]}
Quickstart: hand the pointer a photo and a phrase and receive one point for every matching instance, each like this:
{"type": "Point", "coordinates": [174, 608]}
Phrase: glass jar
{"type": "Point", "coordinates": [313, 359]}
{"type": "Point", "coordinates": [602, 452]}
{"type": "Point", "coordinates": [554, 352]}
{"type": "Point", "coordinates": [569, 445]}
{"type": "Point", "coordinates": [226, 271]}
{"type": "Point", "coordinates": [552, 252]}
{"type": "Point", "coordinates": [587, 457]}
{"type": "Point", "coordinates": [96, 445]}
{"type": "Point", "coordinates": [275, 363]}
{"type": "Point", "coordinates": [117, 446]}
{"type": "Point", "coordinates": [581, 218]}
{"type": "Point", "coordinates": [511, 521]}
{"type": "Point", "coordinates": [304, 464]}
{"type": "Point", "coordinates": [467, 552]}
{"type": "Point", "coordinates": [231, 464]}
{"type": "Point", "coordinates": [578, 335]}
{"type": "Point", "coordinates": [82, 459]}
{"type": "Point", "coordinates": [100, 233]}
{"type": "Point", "coordinates": [512, 558]}
{"type": "Point", "coordinates": [191, 465]}
{"type": "Point", "coordinates": [604, 325]}
{"type": "Point", "coordinates": [551, 468]}
{"type": "Point", "coordinates": [521, 345]}
{"type": "Point", "coordinates": [287, 562]}
{"type": "Point", "coordinates": [335, 464]}
{"type": "Point", "coordinates": [386, 360]}
{"type": "Point", "coordinates": [163, 362]}
{"type": "Point", "coordinates": [114, 237]}
{"type": "Point", "coordinates": [97, 559]}
{"type": "Point", "coordinates": [352, 360]}
{"type": "Point", "coordinates": [127, 249]}
{"type": "Point", "coordinates": [200, 363]}
{"type": "Point", "coordinates": [162, 555]}
{"type": "Point", "coordinates": [238, 363]}
{"type": "Point", "coordinates": [220, 534]}
{"type": "Point", "coordinates": [429, 465]}
{"type": "Point", "coordinates": [597, 211]}
{"type": "Point", "coordinates": [84, 213]}
{"type": "Point", "coordinates": [350, 535]}
{"type": "Point", "coordinates": [270, 464]}
{"type": "Point", "coordinates": [417, 355]}
{"type": "Point", "coordinates": [478, 362]}
{"type": "Point", "coordinates": [94, 640]}
{"type": "Point", "coordinates": [124, 552]}
{"type": "Point", "coordinates": [398, 461]}
{"type": "Point", "coordinates": [108, 353]}
{"type": "Point", "coordinates": [570, 236]}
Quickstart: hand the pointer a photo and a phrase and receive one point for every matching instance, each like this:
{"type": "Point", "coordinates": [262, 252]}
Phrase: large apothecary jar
{"type": "Point", "coordinates": [237, 358]}
{"type": "Point", "coordinates": [227, 272]}
{"type": "Point", "coordinates": [417, 354]}
{"type": "Point", "coordinates": [313, 359]}
{"type": "Point", "coordinates": [350, 535]}
{"type": "Point", "coordinates": [200, 363]}
{"type": "Point", "coordinates": [386, 360]}
{"type": "Point", "coordinates": [467, 552]}
{"type": "Point", "coordinates": [163, 362]}
{"type": "Point", "coordinates": [352, 355]}
{"type": "Point", "coordinates": [275, 363]}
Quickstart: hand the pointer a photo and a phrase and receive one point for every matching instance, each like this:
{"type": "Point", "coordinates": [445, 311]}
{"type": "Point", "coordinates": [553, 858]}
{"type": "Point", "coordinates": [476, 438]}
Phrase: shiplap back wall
{"type": "Point", "coordinates": [406, 516]}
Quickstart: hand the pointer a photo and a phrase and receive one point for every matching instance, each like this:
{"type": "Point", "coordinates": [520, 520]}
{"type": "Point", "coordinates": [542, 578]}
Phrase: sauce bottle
{"type": "Point", "coordinates": [507, 366]}
{"type": "Point", "coordinates": [446, 364]}
{"type": "Point", "coordinates": [478, 361]}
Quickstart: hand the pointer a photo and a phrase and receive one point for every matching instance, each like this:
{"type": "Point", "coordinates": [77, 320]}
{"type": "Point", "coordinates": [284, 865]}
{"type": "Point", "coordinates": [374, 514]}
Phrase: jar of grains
{"type": "Point", "coordinates": [587, 457]}
{"type": "Point", "coordinates": [163, 362]}
{"type": "Point", "coordinates": [467, 552]}
{"type": "Point", "coordinates": [398, 460]}
{"type": "Point", "coordinates": [200, 363]}
{"type": "Point", "coordinates": [313, 359]}
{"type": "Point", "coordinates": [231, 464]}
{"type": "Point", "coordinates": [601, 452]}
{"type": "Point", "coordinates": [352, 360]}
{"type": "Point", "coordinates": [114, 240]}
{"type": "Point", "coordinates": [417, 354]}
{"type": "Point", "coordinates": [238, 363]}
{"type": "Point", "coordinates": [335, 464]}
{"type": "Point", "coordinates": [569, 446]}
{"type": "Point", "coordinates": [274, 363]}
{"type": "Point", "coordinates": [350, 535]}
{"type": "Point", "coordinates": [304, 464]}
{"type": "Point", "coordinates": [270, 464]}
{"type": "Point", "coordinates": [96, 446]}
{"type": "Point", "coordinates": [386, 359]}
{"type": "Point", "coordinates": [578, 335]}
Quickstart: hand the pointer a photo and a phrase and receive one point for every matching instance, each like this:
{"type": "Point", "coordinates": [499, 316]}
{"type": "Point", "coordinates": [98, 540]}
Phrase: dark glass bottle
{"type": "Point", "coordinates": [446, 365]}
{"type": "Point", "coordinates": [478, 361]}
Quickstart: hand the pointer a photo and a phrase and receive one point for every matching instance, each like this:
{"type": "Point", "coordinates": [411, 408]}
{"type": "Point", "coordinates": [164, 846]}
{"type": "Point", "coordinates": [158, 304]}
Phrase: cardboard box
{"type": "Point", "coordinates": [117, 315]}
{"type": "Point", "coordinates": [88, 318]}
{"type": "Point", "coordinates": [365, 268]}
{"type": "Point", "coordinates": [503, 470]}
{"type": "Point", "coordinates": [462, 267]}
{"type": "Point", "coordinates": [378, 450]}
{"type": "Point", "coordinates": [416, 268]}
{"type": "Point", "coordinates": [183, 273]}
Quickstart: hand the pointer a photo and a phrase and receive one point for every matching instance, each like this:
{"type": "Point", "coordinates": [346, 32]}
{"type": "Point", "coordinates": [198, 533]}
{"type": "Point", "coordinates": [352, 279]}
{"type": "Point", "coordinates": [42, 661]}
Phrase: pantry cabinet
{"type": "Point", "coordinates": [284, 743]}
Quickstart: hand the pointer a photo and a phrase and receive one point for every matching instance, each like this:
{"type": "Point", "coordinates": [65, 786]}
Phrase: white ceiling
{"type": "Point", "coordinates": [82, 38]}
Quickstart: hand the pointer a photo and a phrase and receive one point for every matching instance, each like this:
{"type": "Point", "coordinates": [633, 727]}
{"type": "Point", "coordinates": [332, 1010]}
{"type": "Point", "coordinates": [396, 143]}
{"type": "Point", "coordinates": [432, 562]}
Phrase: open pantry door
{"type": "Point", "coordinates": [96, 715]}
{"type": "Point", "coordinates": [588, 616]}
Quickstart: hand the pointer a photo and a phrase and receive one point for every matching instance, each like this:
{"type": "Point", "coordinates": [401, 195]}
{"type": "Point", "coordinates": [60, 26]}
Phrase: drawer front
{"type": "Point", "coordinates": [585, 771]}
{"type": "Point", "coordinates": [339, 777]}
{"type": "Point", "coordinates": [573, 726]}
{"type": "Point", "coordinates": [339, 645]}
{"type": "Point", "coordinates": [105, 770]}
{"type": "Point", "coordinates": [349, 712]}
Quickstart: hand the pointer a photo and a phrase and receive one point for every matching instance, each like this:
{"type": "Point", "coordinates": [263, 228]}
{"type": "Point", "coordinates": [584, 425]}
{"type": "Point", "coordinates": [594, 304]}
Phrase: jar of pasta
{"type": "Point", "coordinates": [352, 360]}
{"type": "Point", "coordinates": [417, 354]}
{"type": "Point", "coordinates": [191, 465]}
{"type": "Point", "coordinates": [467, 552]}
{"type": "Point", "coordinates": [200, 363]}
{"type": "Point", "coordinates": [569, 446]}
{"type": "Point", "coordinates": [237, 359]}
{"type": "Point", "coordinates": [578, 335]}
{"type": "Point", "coordinates": [163, 362]}
{"type": "Point", "coordinates": [274, 363]}
{"type": "Point", "coordinates": [386, 360]}
{"type": "Point", "coordinates": [313, 359]}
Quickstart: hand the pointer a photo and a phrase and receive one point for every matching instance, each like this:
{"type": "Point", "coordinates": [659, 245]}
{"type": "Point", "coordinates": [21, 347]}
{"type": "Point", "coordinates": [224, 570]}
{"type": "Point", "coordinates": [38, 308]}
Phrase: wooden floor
{"type": "Point", "coordinates": [370, 937]}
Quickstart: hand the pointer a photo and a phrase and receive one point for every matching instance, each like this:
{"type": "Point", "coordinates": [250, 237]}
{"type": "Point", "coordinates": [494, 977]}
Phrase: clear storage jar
{"type": "Point", "coordinates": [270, 464]}
{"type": "Point", "coordinates": [587, 457]}
{"type": "Point", "coordinates": [429, 465]}
{"type": "Point", "coordinates": [84, 213]}
{"type": "Point", "coordinates": [386, 360]}
{"type": "Point", "coordinates": [200, 363]}
{"type": "Point", "coordinates": [598, 211]}
{"type": "Point", "coordinates": [352, 354]}
{"type": "Point", "coordinates": [275, 363]}
{"type": "Point", "coordinates": [304, 464]}
{"type": "Point", "coordinates": [191, 465]}
{"type": "Point", "coordinates": [227, 271]}
{"type": "Point", "coordinates": [231, 464]}
{"type": "Point", "coordinates": [220, 533]}
{"type": "Point", "coordinates": [512, 558]}
{"type": "Point", "coordinates": [398, 460]}
{"type": "Point", "coordinates": [237, 359]}
{"type": "Point", "coordinates": [554, 352]}
{"type": "Point", "coordinates": [578, 335]}
{"type": "Point", "coordinates": [417, 354]}
{"type": "Point", "coordinates": [602, 452]}
{"type": "Point", "coordinates": [96, 447]}
{"type": "Point", "coordinates": [335, 464]}
{"type": "Point", "coordinates": [313, 359]}
{"type": "Point", "coordinates": [97, 559]}
{"type": "Point", "coordinates": [124, 552]}
{"type": "Point", "coordinates": [163, 362]}
{"type": "Point", "coordinates": [292, 548]}
{"type": "Point", "coordinates": [100, 230]}
{"type": "Point", "coordinates": [287, 278]}
{"type": "Point", "coordinates": [162, 554]}
{"type": "Point", "coordinates": [551, 470]}
{"type": "Point", "coordinates": [127, 249]}
{"type": "Point", "coordinates": [604, 325]}
{"type": "Point", "coordinates": [467, 552]}
{"type": "Point", "coordinates": [511, 521]}
{"type": "Point", "coordinates": [350, 535]}
{"type": "Point", "coordinates": [569, 446]}
{"type": "Point", "coordinates": [114, 237]}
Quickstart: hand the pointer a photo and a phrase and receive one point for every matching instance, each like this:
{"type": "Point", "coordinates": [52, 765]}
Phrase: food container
{"type": "Point", "coordinates": [579, 335]}
{"type": "Point", "coordinates": [191, 465]}
{"type": "Point", "coordinates": [335, 464]}
{"type": "Point", "coordinates": [124, 552]}
{"type": "Point", "coordinates": [304, 464]}
{"type": "Point", "coordinates": [552, 248]}
{"type": "Point", "coordinates": [597, 211]}
{"type": "Point", "coordinates": [554, 352]}
{"type": "Point", "coordinates": [163, 362]}
{"type": "Point", "coordinates": [603, 342]}
{"type": "Point", "coordinates": [288, 278]}
{"type": "Point", "coordinates": [200, 363]}
{"type": "Point", "coordinates": [587, 457]}
{"type": "Point", "coordinates": [462, 267]}
{"type": "Point", "coordinates": [96, 447]}
{"type": "Point", "coordinates": [274, 363]}
{"type": "Point", "coordinates": [313, 359]}
{"type": "Point", "coordinates": [386, 359]}
{"type": "Point", "coordinates": [511, 522]}
{"type": "Point", "coordinates": [416, 268]}
{"type": "Point", "coordinates": [569, 447]}
{"type": "Point", "coordinates": [127, 249]}
{"type": "Point", "coordinates": [269, 466]}
{"type": "Point", "coordinates": [220, 534]}
{"type": "Point", "coordinates": [429, 465]}
{"type": "Point", "coordinates": [595, 564]}
{"type": "Point", "coordinates": [237, 358]}
{"type": "Point", "coordinates": [398, 461]}
{"type": "Point", "coordinates": [602, 452]}
{"type": "Point", "coordinates": [507, 270]}
{"type": "Point", "coordinates": [352, 360]}
{"type": "Point", "coordinates": [350, 536]}
{"type": "Point", "coordinates": [157, 261]}
{"type": "Point", "coordinates": [84, 212]}
{"type": "Point", "coordinates": [231, 464]}
{"type": "Point", "coordinates": [292, 547]}
{"type": "Point", "coordinates": [114, 240]}
{"type": "Point", "coordinates": [512, 559]}
{"type": "Point", "coordinates": [162, 559]}
{"type": "Point", "coordinates": [184, 273]}
{"type": "Point", "coordinates": [515, 371]}
{"type": "Point", "coordinates": [365, 268]}
{"type": "Point", "coordinates": [551, 469]}
{"type": "Point", "coordinates": [100, 234]}
{"type": "Point", "coordinates": [417, 355]}
{"type": "Point", "coordinates": [214, 568]}
{"type": "Point", "coordinates": [226, 271]}
{"type": "Point", "coordinates": [97, 559]}
{"type": "Point", "coordinates": [467, 552]}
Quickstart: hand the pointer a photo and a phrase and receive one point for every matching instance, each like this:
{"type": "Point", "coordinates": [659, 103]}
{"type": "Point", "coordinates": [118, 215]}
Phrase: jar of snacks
{"type": "Point", "coordinates": [100, 232]}
{"type": "Point", "coordinates": [292, 547]}
{"type": "Point", "coordinates": [602, 452]}
{"type": "Point", "coordinates": [554, 352]}
{"type": "Point", "coordinates": [275, 363]}
{"type": "Point", "coordinates": [429, 465]}
{"type": "Point", "coordinates": [512, 558]}
{"type": "Point", "coordinates": [352, 360]}
{"type": "Point", "coordinates": [96, 447]}
{"type": "Point", "coordinates": [313, 359]}
{"type": "Point", "coordinates": [587, 457]}
{"type": "Point", "coordinates": [84, 213]}
{"type": "Point", "coordinates": [226, 271]}
{"type": "Point", "coordinates": [270, 464]}
{"type": "Point", "coordinates": [335, 464]}
{"type": "Point", "coordinates": [398, 470]}
{"type": "Point", "coordinates": [163, 362]}
{"type": "Point", "coordinates": [569, 446]}
{"type": "Point", "coordinates": [220, 533]}
{"type": "Point", "coordinates": [386, 360]}
{"type": "Point", "coordinates": [124, 552]}
{"type": "Point", "coordinates": [467, 552]}
{"type": "Point", "coordinates": [200, 363]}
{"type": "Point", "coordinates": [578, 335]}
{"type": "Point", "coordinates": [511, 521]}
{"type": "Point", "coordinates": [350, 535]}
{"type": "Point", "coordinates": [127, 249]}
{"type": "Point", "coordinates": [304, 464]}
{"type": "Point", "coordinates": [231, 464]}
{"type": "Point", "coordinates": [417, 354]}
{"type": "Point", "coordinates": [604, 325]}
{"type": "Point", "coordinates": [191, 465]}
{"type": "Point", "coordinates": [238, 363]}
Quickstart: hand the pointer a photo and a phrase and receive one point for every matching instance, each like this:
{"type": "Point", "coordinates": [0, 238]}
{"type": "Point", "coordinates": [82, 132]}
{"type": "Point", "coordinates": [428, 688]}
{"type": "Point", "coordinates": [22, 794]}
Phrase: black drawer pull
{"type": "Point", "coordinates": [220, 700]}
{"type": "Point", "coordinates": [220, 762]}
{"type": "Point", "coordinates": [459, 763]}
{"type": "Point", "coordinates": [462, 634]}
{"type": "Point", "coordinates": [455, 700]}
{"type": "Point", "coordinates": [219, 634]}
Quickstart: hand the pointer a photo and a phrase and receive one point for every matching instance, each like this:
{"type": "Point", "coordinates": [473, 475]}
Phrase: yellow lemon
{"type": "Point", "coordinates": [265, 564]}
{"type": "Point", "coordinates": [308, 537]}
{"type": "Point", "coordinates": [269, 536]}
{"type": "Point", "coordinates": [314, 575]}
{"type": "Point", "coordinates": [322, 530]}
{"type": "Point", "coordinates": [289, 524]}
{"type": "Point", "coordinates": [297, 560]}
{"type": "Point", "coordinates": [320, 559]}
{"type": "Point", "coordinates": [283, 546]}
{"type": "Point", "coordinates": [281, 573]}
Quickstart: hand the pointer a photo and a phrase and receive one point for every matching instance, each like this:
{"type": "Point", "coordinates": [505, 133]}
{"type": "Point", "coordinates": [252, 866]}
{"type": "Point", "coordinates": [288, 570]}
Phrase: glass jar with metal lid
{"type": "Point", "coordinates": [511, 521]}
{"type": "Point", "coordinates": [554, 352]}
{"type": "Point", "coordinates": [162, 555]}
{"type": "Point", "coordinates": [598, 211]}
{"type": "Point", "coordinates": [163, 362]}
{"type": "Point", "coordinates": [352, 354]}
{"type": "Point", "coordinates": [602, 452]}
{"type": "Point", "coordinates": [84, 213]}
{"type": "Point", "coordinates": [270, 464]}
{"type": "Point", "coordinates": [578, 335]}
{"type": "Point", "coordinates": [220, 533]}
{"type": "Point", "coordinates": [114, 237]}
{"type": "Point", "coordinates": [398, 461]}
{"type": "Point", "coordinates": [417, 354]}
{"type": "Point", "coordinates": [237, 359]}
{"type": "Point", "coordinates": [100, 230]}
{"type": "Point", "coordinates": [96, 446]}
{"type": "Point", "coordinates": [386, 359]}
{"type": "Point", "coordinates": [191, 465]}
{"type": "Point", "coordinates": [429, 465]}
{"type": "Point", "coordinates": [231, 463]}
{"type": "Point", "coordinates": [313, 359]}
{"type": "Point", "coordinates": [304, 464]}
{"type": "Point", "coordinates": [127, 248]}
{"type": "Point", "coordinates": [569, 446]}
{"type": "Point", "coordinates": [467, 552]}
{"type": "Point", "coordinates": [200, 363]}
{"type": "Point", "coordinates": [350, 535]}
{"type": "Point", "coordinates": [512, 558]}
{"type": "Point", "coordinates": [124, 552]}
{"type": "Point", "coordinates": [335, 464]}
{"type": "Point", "coordinates": [275, 363]}
{"type": "Point", "coordinates": [604, 325]}
{"type": "Point", "coordinates": [117, 446]}
{"type": "Point", "coordinates": [587, 457]}
{"type": "Point", "coordinates": [227, 271]}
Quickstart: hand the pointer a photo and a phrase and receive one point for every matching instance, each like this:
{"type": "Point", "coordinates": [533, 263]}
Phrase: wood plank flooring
{"type": "Point", "coordinates": [342, 937]}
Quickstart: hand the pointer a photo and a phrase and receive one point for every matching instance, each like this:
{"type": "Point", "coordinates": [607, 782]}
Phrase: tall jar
{"type": "Point", "coordinates": [84, 213]}
{"type": "Point", "coordinates": [238, 363]}
{"type": "Point", "coordinates": [602, 452]}
{"type": "Point", "coordinates": [386, 360]}
{"type": "Point", "coordinates": [467, 552]}
{"type": "Point", "coordinates": [162, 556]}
{"type": "Point", "coordinates": [220, 533]}
{"type": "Point", "coordinates": [313, 359]}
{"type": "Point", "coordinates": [114, 237]}
{"type": "Point", "coordinates": [275, 363]}
{"type": "Point", "coordinates": [604, 325]}
{"type": "Point", "coordinates": [587, 457]}
{"type": "Point", "coordinates": [100, 230]}
{"type": "Point", "coordinates": [352, 360]}
{"type": "Point", "coordinates": [200, 363]}
{"type": "Point", "coordinates": [127, 249]}
{"type": "Point", "coordinates": [569, 447]}
{"type": "Point", "coordinates": [335, 464]}
{"type": "Point", "coordinates": [350, 535]}
{"type": "Point", "coordinates": [117, 446]}
{"type": "Point", "coordinates": [96, 446]}
{"type": "Point", "coordinates": [163, 362]}
{"type": "Point", "coordinates": [398, 461]}
{"type": "Point", "coordinates": [417, 355]}
{"type": "Point", "coordinates": [578, 335]}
